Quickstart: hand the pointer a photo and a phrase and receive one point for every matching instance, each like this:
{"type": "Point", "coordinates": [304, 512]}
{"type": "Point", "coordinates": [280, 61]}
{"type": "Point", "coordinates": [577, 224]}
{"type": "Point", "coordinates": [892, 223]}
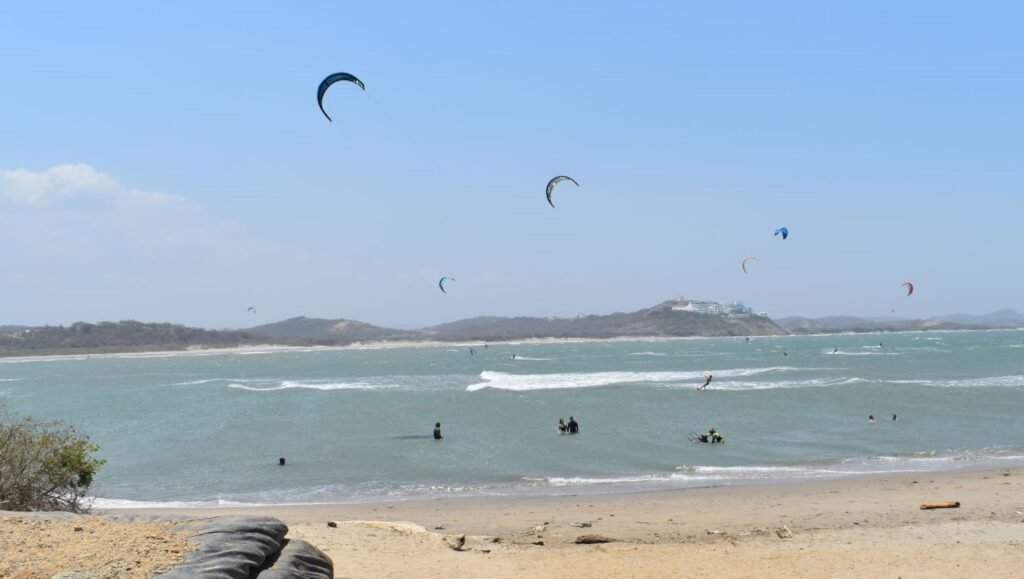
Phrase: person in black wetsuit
{"type": "Point", "coordinates": [706, 382]}
{"type": "Point", "coordinates": [574, 427]}
{"type": "Point", "coordinates": [437, 431]}
{"type": "Point", "coordinates": [562, 426]}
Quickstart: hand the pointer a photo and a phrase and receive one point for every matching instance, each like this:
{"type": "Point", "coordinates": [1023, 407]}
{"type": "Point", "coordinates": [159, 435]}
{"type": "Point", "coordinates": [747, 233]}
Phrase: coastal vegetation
{"type": "Point", "coordinates": [44, 466]}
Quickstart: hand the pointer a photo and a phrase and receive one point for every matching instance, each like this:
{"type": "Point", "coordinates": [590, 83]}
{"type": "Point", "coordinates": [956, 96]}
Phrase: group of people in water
{"type": "Point", "coordinates": [572, 427]}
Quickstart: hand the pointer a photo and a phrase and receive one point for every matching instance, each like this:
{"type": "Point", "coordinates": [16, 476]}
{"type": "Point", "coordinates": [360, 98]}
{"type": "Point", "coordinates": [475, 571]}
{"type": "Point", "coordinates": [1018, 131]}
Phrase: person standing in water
{"type": "Point", "coordinates": [562, 427]}
{"type": "Point", "coordinates": [574, 427]}
{"type": "Point", "coordinates": [706, 382]}
{"type": "Point", "coordinates": [437, 431]}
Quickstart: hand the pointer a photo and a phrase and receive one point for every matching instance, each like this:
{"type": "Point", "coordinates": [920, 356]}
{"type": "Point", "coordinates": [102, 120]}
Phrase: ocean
{"type": "Point", "coordinates": [207, 428]}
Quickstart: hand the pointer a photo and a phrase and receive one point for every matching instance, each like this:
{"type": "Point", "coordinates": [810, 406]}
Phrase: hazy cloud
{"type": "Point", "coordinates": [68, 182]}
{"type": "Point", "coordinates": [78, 244]}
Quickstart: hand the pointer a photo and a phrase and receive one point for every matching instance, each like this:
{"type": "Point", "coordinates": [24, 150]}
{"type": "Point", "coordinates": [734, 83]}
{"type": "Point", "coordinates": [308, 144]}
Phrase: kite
{"type": "Point", "coordinates": [556, 181]}
{"type": "Point", "coordinates": [440, 283]}
{"type": "Point", "coordinates": [252, 309]}
{"type": "Point", "coordinates": [909, 286]}
{"type": "Point", "coordinates": [743, 263]}
{"type": "Point", "coordinates": [784, 231]}
{"type": "Point", "coordinates": [326, 84]}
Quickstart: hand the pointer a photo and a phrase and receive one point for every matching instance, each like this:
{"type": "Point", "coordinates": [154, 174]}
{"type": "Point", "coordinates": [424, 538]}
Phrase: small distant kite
{"type": "Point", "coordinates": [784, 231]}
{"type": "Point", "coordinates": [326, 84]}
{"type": "Point", "coordinates": [440, 283]}
{"type": "Point", "coordinates": [556, 181]}
{"type": "Point", "coordinates": [252, 309]}
{"type": "Point", "coordinates": [747, 259]}
{"type": "Point", "coordinates": [909, 286]}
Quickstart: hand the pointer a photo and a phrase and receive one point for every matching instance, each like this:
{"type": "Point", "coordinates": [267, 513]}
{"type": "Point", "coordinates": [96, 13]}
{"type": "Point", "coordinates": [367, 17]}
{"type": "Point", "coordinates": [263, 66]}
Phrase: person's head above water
{"type": "Point", "coordinates": [437, 425]}
{"type": "Point", "coordinates": [280, 461]}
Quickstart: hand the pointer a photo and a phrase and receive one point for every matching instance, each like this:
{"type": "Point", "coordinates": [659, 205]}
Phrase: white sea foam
{"type": "Point", "coordinates": [700, 475]}
{"type": "Point", "coordinates": [529, 359]}
{"type": "Point", "coordinates": [291, 384]}
{"type": "Point", "coordinates": [842, 353]}
{"type": "Point", "coordinates": [196, 382]}
{"type": "Point", "coordinates": [1013, 381]}
{"type": "Point", "coordinates": [103, 503]}
{"type": "Point", "coordinates": [523, 382]}
{"type": "Point", "coordinates": [647, 354]}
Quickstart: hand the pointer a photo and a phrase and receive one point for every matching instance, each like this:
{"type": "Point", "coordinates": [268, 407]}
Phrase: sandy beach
{"type": "Point", "coordinates": [852, 527]}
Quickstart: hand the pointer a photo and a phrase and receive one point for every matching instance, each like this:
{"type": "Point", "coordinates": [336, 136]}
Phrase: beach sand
{"type": "Point", "coordinates": [852, 527]}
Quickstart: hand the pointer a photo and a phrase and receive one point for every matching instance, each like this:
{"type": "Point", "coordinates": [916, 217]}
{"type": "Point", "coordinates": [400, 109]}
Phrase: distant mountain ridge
{"type": "Point", "coordinates": [673, 318]}
{"type": "Point", "coordinates": [661, 320]}
{"type": "Point", "coordinates": [1001, 319]}
{"type": "Point", "coordinates": [124, 336]}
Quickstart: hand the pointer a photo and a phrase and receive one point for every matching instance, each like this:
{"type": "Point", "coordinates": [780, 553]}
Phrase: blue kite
{"type": "Point", "coordinates": [784, 231]}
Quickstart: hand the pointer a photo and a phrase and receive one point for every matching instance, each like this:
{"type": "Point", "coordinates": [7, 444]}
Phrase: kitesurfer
{"type": "Point", "coordinates": [714, 436]}
{"type": "Point", "coordinates": [894, 419]}
{"type": "Point", "coordinates": [574, 427]}
{"type": "Point", "coordinates": [437, 431]}
{"type": "Point", "coordinates": [871, 418]}
{"type": "Point", "coordinates": [706, 382]}
{"type": "Point", "coordinates": [562, 427]}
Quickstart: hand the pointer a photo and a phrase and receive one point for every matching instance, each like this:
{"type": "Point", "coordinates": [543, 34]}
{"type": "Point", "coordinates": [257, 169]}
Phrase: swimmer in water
{"type": "Point", "coordinates": [871, 419]}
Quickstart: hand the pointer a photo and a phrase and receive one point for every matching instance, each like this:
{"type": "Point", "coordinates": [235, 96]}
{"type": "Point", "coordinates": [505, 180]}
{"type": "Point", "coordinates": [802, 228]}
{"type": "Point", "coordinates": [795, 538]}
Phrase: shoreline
{"type": "Point", "coordinates": [846, 527]}
{"type": "Point", "coordinates": [413, 344]}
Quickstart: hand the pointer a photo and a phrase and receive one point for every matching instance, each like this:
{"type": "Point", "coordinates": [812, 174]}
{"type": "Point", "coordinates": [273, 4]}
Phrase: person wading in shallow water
{"type": "Point", "coordinates": [437, 431]}
{"type": "Point", "coordinates": [574, 427]}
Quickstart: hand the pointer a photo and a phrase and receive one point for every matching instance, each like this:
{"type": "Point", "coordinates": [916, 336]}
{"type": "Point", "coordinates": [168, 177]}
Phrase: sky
{"type": "Point", "coordinates": [168, 162]}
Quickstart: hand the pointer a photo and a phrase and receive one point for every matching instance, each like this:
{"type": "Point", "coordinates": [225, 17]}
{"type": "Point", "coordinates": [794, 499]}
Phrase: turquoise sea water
{"type": "Point", "coordinates": [206, 429]}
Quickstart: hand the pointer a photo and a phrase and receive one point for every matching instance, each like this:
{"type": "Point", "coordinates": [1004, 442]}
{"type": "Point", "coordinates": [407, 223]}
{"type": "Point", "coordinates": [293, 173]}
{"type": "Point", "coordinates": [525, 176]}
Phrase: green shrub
{"type": "Point", "coordinates": [44, 466]}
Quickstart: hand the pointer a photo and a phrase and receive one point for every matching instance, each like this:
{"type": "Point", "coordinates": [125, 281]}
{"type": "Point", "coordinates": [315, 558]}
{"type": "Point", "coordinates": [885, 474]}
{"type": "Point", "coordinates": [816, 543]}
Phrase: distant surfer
{"type": "Point", "coordinates": [748, 339]}
{"type": "Point", "coordinates": [835, 349]}
{"type": "Point", "coordinates": [513, 356]}
{"type": "Point", "coordinates": [706, 382]}
{"type": "Point", "coordinates": [713, 436]}
{"type": "Point", "coordinates": [562, 426]}
{"type": "Point", "coordinates": [472, 352]}
{"type": "Point", "coordinates": [574, 427]}
{"type": "Point", "coordinates": [894, 419]}
{"type": "Point", "coordinates": [871, 418]}
{"type": "Point", "coordinates": [785, 353]}
{"type": "Point", "coordinates": [437, 431]}
{"type": "Point", "coordinates": [280, 461]}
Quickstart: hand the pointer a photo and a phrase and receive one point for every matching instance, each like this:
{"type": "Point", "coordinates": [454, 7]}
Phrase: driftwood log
{"type": "Point", "coordinates": [941, 505]}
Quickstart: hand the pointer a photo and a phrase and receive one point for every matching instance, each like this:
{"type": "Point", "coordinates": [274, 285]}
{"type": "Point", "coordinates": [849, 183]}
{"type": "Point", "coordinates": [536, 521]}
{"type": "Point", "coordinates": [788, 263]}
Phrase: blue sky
{"type": "Point", "coordinates": [168, 162]}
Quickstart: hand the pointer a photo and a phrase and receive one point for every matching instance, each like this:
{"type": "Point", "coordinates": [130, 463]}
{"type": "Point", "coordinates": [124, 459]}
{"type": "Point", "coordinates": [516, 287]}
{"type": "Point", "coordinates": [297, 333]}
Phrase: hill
{"type": "Point", "coordinates": [662, 320]}
{"type": "Point", "coordinates": [321, 331]}
{"type": "Point", "coordinates": [124, 336]}
{"type": "Point", "coordinates": [835, 324]}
